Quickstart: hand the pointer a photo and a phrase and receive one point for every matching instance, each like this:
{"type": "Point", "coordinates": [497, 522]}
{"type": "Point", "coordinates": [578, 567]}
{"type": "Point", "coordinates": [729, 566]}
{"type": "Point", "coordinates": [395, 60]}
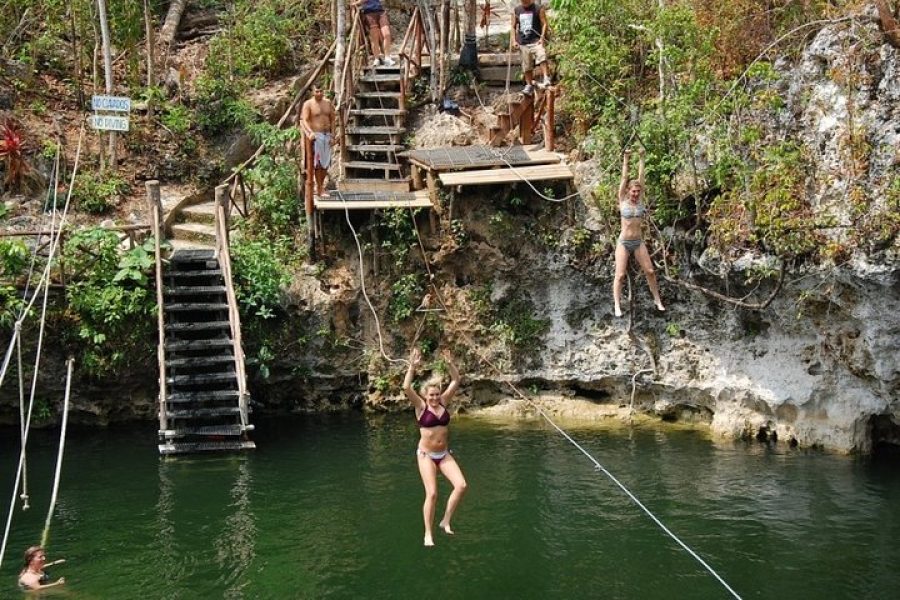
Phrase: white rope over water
{"type": "Point", "coordinates": [59, 456]}
{"type": "Point", "coordinates": [597, 464]}
{"type": "Point", "coordinates": [44, 281]}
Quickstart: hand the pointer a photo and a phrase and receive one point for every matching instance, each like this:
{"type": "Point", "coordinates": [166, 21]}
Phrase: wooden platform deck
{"type": "Point", "coordinates": [507, 175]}
{"type": "Point", "coordinates": [373, 200]}
{"type": "Point", "coordinates": [458, 158]}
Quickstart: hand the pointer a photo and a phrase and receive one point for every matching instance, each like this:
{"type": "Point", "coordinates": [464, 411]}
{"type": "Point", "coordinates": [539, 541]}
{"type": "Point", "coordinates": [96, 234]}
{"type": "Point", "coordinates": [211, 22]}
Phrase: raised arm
{"type": "Point", "coordinates": [415, 359]}
{"type": "Point", "coordinates": [454, 379]}
{"type": "Point", "coordinates": [623, 183]}
{"type": "Point", "coordinates": [641, 153]}
{"type": "Point", "coordinates": [544, 24]}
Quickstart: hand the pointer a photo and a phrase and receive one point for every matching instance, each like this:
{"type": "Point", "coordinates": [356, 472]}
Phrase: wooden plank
{"type": "Point", "coordinates": [489, 176]}
{"type": "Point", "coordinates": [420, 201]}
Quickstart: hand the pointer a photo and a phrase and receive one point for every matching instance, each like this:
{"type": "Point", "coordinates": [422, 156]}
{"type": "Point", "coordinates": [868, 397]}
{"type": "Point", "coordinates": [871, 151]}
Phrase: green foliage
{"type": "Point", "coordinates": [110, 306]}
{"type": "Point", "coordinates": [515, 324]}
{"type": "Point", "coordinates": [397, 233]}
{"type": "Point", "coordinates": [177, 118]}
{"type": "Point", "coordinates": [259, 274]}
{"type": "Point", "coordinates": [14, 257]}
{"type": "Point", "coordinates": [276, 208]}
{"type": "Point", "coordinates": [406, 293]}
{"type": "Point", "coordinates": [94, 193]}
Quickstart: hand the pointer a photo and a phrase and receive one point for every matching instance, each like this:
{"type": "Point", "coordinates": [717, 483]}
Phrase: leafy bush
{"type": "Point", "coordinates": [110, 306]}
{"type": "Point", "coordinates": [95, 195]}
{"type": "Point", "coordinates": [259, 275]}
{"type": "Point", "coordinates": [406, 293]}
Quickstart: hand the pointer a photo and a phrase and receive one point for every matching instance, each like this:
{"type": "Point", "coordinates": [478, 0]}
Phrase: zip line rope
{"type": "Point", "coordinates": [597, 464]}
{"type": "Point", "coordinates": [44, 281]}
{"type": "Point", "coordinates": [59, 456]}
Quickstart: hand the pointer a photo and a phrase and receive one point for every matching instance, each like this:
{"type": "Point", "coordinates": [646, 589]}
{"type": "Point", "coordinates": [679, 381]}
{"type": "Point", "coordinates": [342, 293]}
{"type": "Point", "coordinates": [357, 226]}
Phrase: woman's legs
{"type": "Point", "coordinates": [385, 33]}
{"type": "Point", "coordinates": [643, 258]}
{"type": "Point", "coordinates": [428, 470]}
{"type": "Point", "coordinates": [619, 278]}
{"type": "Point", "coordinates": [450, 469]}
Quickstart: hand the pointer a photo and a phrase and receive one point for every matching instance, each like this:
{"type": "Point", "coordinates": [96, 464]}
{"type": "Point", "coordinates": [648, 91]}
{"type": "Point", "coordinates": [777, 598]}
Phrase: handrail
{"type": "Point", "coordinates": [234, 319]}
{"type": "Point", "coordinates": [155, 203]}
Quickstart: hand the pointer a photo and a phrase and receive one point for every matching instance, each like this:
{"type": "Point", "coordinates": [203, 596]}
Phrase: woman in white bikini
{"type": "Point", "coordinates": [433, 453]}
{"type": "Point", "coordinates": [632, 210]}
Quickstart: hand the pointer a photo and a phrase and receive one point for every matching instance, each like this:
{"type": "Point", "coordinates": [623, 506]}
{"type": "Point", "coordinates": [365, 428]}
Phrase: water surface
{"type": "Point", "coordinates": [330, 507]}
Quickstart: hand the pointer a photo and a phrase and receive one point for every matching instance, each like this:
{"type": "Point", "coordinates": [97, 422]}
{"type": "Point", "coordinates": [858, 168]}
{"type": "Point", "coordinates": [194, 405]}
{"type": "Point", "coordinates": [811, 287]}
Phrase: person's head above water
{"type": "Point", "coordinates": [35, 557]}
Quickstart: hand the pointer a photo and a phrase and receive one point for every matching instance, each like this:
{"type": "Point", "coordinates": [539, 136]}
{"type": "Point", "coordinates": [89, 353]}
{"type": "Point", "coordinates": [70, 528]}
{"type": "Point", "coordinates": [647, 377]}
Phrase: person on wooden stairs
{"type": "Point", "coordinates": [632, 211]}
{"type": "Point", "coordinates": [376, 21]}
{"type": "Point", "coordinates": [529, 22]}
{"type": "Point", "coordinates": [317, 123]}
{"type": "Point", "coordinates": [433, 453]}
{"type": "Point", "coordinates": [32, 577]}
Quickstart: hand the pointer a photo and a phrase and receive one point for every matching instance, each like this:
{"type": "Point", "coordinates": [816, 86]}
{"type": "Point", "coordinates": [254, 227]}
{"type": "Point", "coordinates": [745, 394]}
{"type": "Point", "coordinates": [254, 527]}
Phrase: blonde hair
{"type": "Point", "coordinates": [433, 382]}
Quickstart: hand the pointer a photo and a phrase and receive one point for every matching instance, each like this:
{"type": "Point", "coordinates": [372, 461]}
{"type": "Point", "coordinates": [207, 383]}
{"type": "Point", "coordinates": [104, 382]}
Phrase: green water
{"type": "Point", "coordinates": [330, 507]}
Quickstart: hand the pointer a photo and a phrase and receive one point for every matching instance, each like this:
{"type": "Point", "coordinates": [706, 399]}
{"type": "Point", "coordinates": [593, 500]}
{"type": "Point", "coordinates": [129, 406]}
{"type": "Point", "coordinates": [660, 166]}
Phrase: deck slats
{"type": "Point", "coordinates": [373, 200]}
{"type": "Point", "coordinates": [491, 176]}
{"type": "Point", "coordinates": [478, 157]}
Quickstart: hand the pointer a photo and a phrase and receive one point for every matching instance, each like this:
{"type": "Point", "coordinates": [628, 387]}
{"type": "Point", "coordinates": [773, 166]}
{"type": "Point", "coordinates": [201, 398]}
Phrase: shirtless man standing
{"type": "Point", "coordinates": [317, 122]}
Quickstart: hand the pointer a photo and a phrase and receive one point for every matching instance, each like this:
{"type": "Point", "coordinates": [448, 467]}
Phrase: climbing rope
{"type": "Point", "coordinates": [45, 282]}
{"type": "Point", "coordinates": [59, 456]}
{"type": "Point", "coordinates": [362, 281]}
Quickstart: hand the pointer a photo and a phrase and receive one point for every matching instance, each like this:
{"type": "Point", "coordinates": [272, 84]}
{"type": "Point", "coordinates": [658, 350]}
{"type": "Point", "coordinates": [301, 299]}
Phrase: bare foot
{"type": "Point", "coordinates": [429, 541]}
{"type": "Point", "coordinates": [618, 311]}
{"type": "Point", "coordinates": [324, 195]}
{"type": "Point", "coordinates": [446, 528]}
{"type": "Point", "coordinates": [660, 307]}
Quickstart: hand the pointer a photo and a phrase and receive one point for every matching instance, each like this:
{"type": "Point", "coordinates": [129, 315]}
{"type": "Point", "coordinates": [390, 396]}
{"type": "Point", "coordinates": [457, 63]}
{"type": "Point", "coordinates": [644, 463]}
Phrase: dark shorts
{"type": "Point", "coordinates": [376, 20]}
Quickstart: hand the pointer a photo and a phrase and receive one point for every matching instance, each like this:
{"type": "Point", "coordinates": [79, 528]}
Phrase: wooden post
{"type": "Point", "coordinates": [549, 125]}
{"type": "Point", "coordinates": [308, 197]}
{"type": "Point", "coordinates": [223, 200]}
{"type": "Point", "coordinates": [108, 73]}
{"type": "Point", "coordinates": [340, 38]}
{"type": "Point", "coordinates": [526, 122]}
{"type": "Point", "coordinates": [155, 205]}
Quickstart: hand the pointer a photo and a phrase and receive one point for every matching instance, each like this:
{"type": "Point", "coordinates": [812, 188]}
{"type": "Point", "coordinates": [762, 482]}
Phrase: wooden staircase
{"type": "Point", "coordinates": [203, 405]}
{"type": "Point", "coordinates": [374, 134]}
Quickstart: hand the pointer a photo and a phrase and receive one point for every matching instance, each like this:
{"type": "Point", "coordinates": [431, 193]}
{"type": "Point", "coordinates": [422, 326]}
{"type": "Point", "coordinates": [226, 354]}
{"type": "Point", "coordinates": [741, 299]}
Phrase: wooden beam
{"type": "Point", "coordinates": [491, 176]}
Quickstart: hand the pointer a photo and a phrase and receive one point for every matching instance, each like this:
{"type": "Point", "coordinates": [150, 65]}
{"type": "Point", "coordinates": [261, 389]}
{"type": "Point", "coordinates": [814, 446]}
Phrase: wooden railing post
{"type": "Point", "coordinates": [549, 125]}
{"type": "Point", "coordinates": [155, 205]}
{"type": "Point", "coordinates": [308, 197]}
{"type": "Point", "coordinates": [223, 200]}
{"type": "Point", "coordinates": [526, 121]}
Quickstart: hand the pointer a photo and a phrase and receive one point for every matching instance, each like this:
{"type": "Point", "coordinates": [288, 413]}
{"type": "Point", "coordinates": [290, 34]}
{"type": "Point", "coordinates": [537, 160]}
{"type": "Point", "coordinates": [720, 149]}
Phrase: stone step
{"type": "Point", "coordinates": [199, 213]}
{"type": "Point", "coordinates": [378, 166]}
{"type": "Point", "coordinates": [200, 361]}
{"type": "Point", "coordinates": [195, 232]}
{"type": "Point", "coordinates": [179, 245]}
{"type": "Point", "coordinates": [193, 447]}
{"type": "Point", "coordinates": [192, 255]}
{"type": "Point", "coordinates": [203, 396]}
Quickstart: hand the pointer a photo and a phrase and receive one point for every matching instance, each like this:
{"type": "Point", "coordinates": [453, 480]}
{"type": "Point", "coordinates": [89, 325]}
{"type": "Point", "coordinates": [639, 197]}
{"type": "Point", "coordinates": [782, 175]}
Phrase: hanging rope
{"type": "Point", "coordinates": [44, 281]}
{"type": "Point", "coordinates": [59, 456]}
{"type": "Point", "coordinates": [24, 495]}
{"type": "Point", "coordinates": [362, 281]}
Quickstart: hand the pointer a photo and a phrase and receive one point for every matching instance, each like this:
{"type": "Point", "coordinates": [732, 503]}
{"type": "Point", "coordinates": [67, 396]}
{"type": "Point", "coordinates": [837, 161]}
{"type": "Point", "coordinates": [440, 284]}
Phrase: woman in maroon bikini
{"type": "Point", "coordinates": [432, 453]}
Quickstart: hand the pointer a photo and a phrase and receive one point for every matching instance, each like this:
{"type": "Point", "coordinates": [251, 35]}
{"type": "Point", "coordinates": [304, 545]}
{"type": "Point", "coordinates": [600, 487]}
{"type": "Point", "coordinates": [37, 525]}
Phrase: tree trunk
{"type": "Point", "coordinates": [107, 70]}
{"type": "Point", "coordinates": [888, 23]}
{"type": "Point", "coordinates": [340, 36]}
{"type": "Point", "coordinates": [151, 55]}
{"type": "Point", "coordinates": [170, 27]}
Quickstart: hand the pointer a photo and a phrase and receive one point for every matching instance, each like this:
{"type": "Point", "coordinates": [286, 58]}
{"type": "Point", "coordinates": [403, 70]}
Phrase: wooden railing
{"type": "Point", "coordinates": [412, 48]}
{"type": "Point", "coordinates": [234, 320]}
{"type": "Point", "coordinates": [155, 205]}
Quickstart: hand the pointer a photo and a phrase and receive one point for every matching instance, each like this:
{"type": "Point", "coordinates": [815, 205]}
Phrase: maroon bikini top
{"type": "Point", "coordinates": [429, 419]}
